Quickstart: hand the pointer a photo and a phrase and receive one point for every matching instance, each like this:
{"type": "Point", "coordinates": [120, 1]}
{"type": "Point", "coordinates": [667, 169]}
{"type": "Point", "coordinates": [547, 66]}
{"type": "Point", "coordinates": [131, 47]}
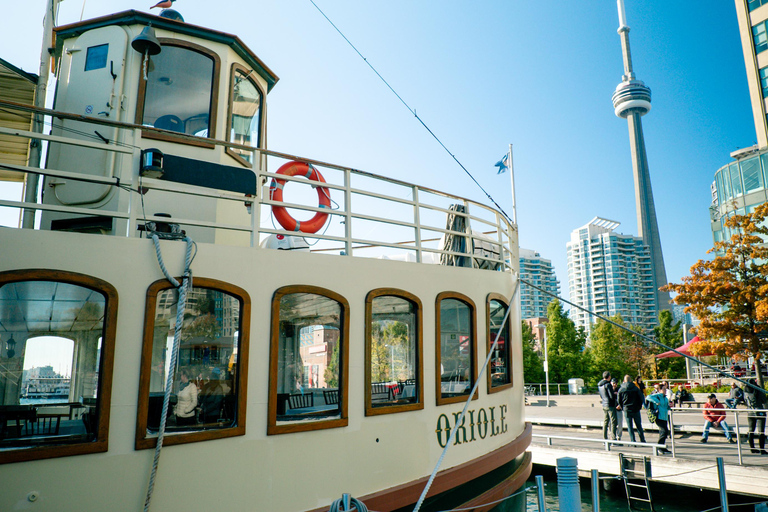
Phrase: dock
{"type": "Point", "coordinates": [572, 427]}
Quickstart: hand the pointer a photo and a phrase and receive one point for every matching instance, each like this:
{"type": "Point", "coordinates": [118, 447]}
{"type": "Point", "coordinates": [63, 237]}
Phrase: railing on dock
{"type": "Point", "coordinates": [370, 216]}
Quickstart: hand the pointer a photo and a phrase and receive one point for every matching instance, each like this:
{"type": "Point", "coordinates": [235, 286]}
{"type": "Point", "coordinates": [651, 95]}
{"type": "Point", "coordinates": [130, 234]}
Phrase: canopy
{"type": "Point", "coordinates": [685, 349]}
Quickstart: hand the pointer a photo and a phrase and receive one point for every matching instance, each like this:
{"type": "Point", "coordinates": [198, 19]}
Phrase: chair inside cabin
{"type": "Point", "coordinates": [380, 392]}
{"type": "Point", "coordinates": [331, 396]}
{"type": "Point", "coordinates": [300, 401]}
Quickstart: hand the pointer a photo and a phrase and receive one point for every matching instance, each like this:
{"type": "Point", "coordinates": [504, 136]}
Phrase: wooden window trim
{"type": "Point", "coordinates": [473, 349]}
{"type": "Point", "coordinates": [272, 427]}
{"type": "Point", "coordinates": [169, 137]}
{"type": "Point", "coordinates": [144, 441]}
{"type": "Point", "coordinates": [489, 341]}
{"type": "Point", "coordinates": [391, 409]}
{"type": "Point", "coordinates": [262, 122]}
{"type": "Point", "coordinates": [106, 365]}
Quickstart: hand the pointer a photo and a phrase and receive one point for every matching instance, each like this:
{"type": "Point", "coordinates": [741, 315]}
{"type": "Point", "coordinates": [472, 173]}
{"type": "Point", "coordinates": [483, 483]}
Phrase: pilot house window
{"type": "Point", "coordinates": [57, 335]}
{"type": "Point", "coordinates": [206, 397]}
{"type": "Point", "coordinates": [244, 113]}
{"type": "Point", "coordinates": [455, 351]}
{"type": "Point", "coordinates": [308, 359]}
{"type": "Point", "coordinates": [178, 93]}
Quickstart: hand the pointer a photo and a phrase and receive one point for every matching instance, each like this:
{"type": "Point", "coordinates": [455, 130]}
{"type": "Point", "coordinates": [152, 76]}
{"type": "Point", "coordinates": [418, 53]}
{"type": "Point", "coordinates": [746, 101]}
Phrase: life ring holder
{"type": "Point", "coordinates": [288, 223]}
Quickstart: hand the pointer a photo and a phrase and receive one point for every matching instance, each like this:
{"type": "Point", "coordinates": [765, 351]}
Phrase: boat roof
{"type": "Point", "coordinates": [17, 86]}
{"type": "Point", "coordinates": [141, 18]}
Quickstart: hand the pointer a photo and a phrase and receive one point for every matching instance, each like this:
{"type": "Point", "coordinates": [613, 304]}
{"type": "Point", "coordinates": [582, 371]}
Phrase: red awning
{"type": "Point", "coordinates": [685, 349]}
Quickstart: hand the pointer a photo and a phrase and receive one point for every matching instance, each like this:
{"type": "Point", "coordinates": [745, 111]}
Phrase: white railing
{"type": "Point", "coordinates": [372, 215]}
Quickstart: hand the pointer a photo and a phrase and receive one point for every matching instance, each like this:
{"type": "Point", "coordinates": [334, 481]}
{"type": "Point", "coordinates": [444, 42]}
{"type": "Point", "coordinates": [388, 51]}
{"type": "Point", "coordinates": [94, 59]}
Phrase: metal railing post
{"type": "Point", "coordinates": [595, 491]}
{"type": "Point", "coordinates": [721, 481]}
{"type": "Point", "coordinates": [540, 489]}
{"type": "Point", "coordinates": [736, 433]}
{"type": "Point", "coordinates": [417, 221]}
{"type": "Point", "coordinates": [348, 212]}
{"type": "Point", "coordinates": [671, 432]}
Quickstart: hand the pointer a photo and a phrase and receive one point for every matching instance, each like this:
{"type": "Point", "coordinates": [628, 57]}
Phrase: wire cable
{"type": "Point", "coordinates": [490, 198]}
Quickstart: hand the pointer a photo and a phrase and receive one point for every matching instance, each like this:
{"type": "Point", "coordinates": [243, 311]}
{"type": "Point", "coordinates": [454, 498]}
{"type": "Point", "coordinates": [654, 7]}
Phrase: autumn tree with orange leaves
{"type": "Point", "coordinates": [729, 294]}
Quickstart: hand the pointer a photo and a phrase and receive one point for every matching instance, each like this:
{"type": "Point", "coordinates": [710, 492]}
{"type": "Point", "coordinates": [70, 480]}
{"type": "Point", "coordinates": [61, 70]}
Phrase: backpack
{"type": "Point", "coordinates": [652, 411]}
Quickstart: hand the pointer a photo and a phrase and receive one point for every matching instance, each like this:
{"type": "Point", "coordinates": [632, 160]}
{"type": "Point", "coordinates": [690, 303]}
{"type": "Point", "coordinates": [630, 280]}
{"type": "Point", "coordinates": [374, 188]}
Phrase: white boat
{"type": "Point", "coordinates": [324, 368]}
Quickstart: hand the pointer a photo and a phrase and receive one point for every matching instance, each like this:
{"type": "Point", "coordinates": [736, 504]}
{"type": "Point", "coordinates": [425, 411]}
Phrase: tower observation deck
{"type": "Point", "coordinates": [631, 101]}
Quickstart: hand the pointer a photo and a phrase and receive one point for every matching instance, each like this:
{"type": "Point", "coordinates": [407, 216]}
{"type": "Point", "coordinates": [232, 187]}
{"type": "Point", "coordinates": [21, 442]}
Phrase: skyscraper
{"type": "Point", "coordinates": [610, 274]}
{"type": "Point", "coordinates": [752, 18]}
{"type": "Point", "coordinates": [538, 271]}
{"type": "Point", "coordinates": [631, 101]}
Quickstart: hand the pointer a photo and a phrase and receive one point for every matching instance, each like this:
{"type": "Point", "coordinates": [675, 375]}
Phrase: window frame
{"type": "Point", "coordinates": [489, 341]}
{"type": "Point", "coordinates": [274, 347]}
{"type": "Point", "coordinates": [104, 395]}
{"type": "Point", "coordinates": [212, 113]}
{"type": "Point", "coordinates": [262, 121]}
{"type": "Point", "coordinates": [439, 400]}
{"type": "Point", "coordinates": [402, 294]}
{"type": "Point", "coordinates": [144, 441]}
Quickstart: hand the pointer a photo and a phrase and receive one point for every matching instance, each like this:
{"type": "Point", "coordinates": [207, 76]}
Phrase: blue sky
{"type": "Point", "coordinates": [483, 75]}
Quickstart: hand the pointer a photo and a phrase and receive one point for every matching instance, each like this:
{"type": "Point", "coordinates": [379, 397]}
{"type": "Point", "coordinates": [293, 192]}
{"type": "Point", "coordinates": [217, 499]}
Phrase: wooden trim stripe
{"type": "Point", "coordinates": [144, 441]}
{"type": "Point", "coordinates": [472, 347]}
{"type": "Point", "coordinates": [489, 342]}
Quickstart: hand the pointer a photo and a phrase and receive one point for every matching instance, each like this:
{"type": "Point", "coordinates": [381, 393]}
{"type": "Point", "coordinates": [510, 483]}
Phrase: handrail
{"type": "Point", "coordinates": [606, 442]}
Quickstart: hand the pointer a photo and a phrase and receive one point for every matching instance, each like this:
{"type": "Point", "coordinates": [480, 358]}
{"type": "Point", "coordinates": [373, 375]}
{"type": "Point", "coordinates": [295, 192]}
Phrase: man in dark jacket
{"type": "Point", "coordinates": [608, 397]}
{"type": "Point", "coordinates": [631, 399]}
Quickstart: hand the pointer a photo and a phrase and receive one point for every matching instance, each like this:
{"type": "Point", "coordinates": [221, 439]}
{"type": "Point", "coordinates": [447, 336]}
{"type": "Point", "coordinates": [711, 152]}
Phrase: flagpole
{"type": "Point", "coordinates": [512, 177]}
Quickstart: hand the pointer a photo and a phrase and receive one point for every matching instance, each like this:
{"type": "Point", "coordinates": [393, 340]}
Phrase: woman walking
{"type": "Point", "coordinates": [756, 399]}
{"type": "Point", "coordinates": [659, 405]}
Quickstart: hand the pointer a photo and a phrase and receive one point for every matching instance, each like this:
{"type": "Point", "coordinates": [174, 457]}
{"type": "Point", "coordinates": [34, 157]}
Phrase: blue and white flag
{"type": "Point", "coordinates": [502, 164]}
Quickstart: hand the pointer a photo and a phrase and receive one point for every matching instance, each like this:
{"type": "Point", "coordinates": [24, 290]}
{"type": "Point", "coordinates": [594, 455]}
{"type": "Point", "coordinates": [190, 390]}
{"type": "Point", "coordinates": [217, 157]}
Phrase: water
{"type": "Point", "coordinates": [666, 498]}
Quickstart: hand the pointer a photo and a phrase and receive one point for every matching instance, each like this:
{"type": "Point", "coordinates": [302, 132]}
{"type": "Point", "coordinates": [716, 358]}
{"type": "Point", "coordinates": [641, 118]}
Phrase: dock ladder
{"type": "Point", "coordinates": [635, 472]}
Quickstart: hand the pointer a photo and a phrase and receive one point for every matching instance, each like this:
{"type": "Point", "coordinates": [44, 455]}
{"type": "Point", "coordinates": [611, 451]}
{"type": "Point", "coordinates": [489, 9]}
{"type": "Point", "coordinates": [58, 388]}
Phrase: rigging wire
{"type": "Point", "coordinates": [412, 111]}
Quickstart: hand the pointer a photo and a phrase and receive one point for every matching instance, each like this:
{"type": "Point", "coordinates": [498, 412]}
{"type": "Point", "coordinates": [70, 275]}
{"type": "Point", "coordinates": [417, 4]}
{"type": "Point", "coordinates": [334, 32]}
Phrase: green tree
{"type": "Point", "coordinates": [566, 343]}
{"type": "Point", "coordinates": [729, 294]}
{"type": "Point", "coordinates": [331, 373]}
{"type": "Point", "coordinates": [533, 366]}
{"type": "Point", "coordinates": [670, 333]}
{"type": "Point", "coordinates": [615, 349]}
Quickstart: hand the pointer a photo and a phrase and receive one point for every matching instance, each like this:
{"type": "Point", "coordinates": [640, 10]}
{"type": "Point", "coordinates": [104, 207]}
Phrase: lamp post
{"type": "Point", "coordinates": [10, 346]}
{"type": "Point", "coordinates": [391, 362]}
{"type": "Point", "coordinates": [546, 359]}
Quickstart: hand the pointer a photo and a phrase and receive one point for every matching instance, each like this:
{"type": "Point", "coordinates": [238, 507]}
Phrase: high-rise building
{"type": "Point", "coordinates": [752, 16]}
{"type": "Point", "coordinates": [631, 101]}
{"type": "Point", "coordinates": [610, 274]}
{"type": "Point", "coordinates": [539, 272]}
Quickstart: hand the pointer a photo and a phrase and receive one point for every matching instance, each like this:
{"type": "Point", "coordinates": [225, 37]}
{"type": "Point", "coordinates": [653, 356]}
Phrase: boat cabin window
{"type": "Point", "coordinates": [500, 369]}
{"type": "Point", "coordinates": [455, 366]}
{"type": "Point", "coordinates": [57, 338]}
{"type": "Point", "coordinates": [308, 360]}
{"type": "Point", "coordinates": [207, 399]}
{"type": "Point", "coordinates": [245, 112]}
{"type": "Point", "coordinates": [180, 91]}
{"type": "Point", "coordinates": [393, 352]}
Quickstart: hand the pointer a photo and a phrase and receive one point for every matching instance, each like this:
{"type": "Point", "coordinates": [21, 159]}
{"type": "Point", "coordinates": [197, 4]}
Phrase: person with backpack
{"type": "Point", "coordinates": [756, 399]}
{"type": "Point", "coordinates": [658, 413]}
{"type": "Point", "coordinates": [631, 400]}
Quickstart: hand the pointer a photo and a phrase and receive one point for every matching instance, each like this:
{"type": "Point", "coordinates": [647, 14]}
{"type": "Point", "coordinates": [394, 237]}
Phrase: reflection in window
{"type": "Point", "coordinates": [500, 369]}
{"type": "Point", "coordinates": [245, 117]}
{"type": "Point", "coordinates": [179, 90]}
{"type": "Point", "coordinates": [764, 81]}
{"type": "Point", "coordinates": [309, 357]}
{"type": "Point", "coordinates": [50, 360]}
{"type": "Point", "coordinates": [456, 354]}
{"type": "Point", "coordinates": [735, 179]}
{"type": "Point", "coordinates": [205, 380]}
{"type": "Point", "coordinates": [752, 175]}
{"type": "Point", "coordinates": [393, 352]}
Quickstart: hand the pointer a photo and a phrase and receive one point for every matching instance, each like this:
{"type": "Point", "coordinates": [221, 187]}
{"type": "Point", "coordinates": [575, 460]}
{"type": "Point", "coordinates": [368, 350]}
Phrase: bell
{"type": "Point", "coordinates": [146, 42]}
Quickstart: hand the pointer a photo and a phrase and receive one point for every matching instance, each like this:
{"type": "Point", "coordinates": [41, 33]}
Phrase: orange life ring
{"type": "Point", "coordinates": [312, 225]}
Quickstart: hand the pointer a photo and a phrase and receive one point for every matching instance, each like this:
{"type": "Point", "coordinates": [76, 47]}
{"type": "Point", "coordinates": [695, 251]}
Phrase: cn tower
{"type": "Point", "coordinates": [631, 101]}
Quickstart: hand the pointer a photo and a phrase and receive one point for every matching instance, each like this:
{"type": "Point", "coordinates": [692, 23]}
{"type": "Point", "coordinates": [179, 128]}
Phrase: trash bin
{"type": "Point", "coordinates": [576, 386]}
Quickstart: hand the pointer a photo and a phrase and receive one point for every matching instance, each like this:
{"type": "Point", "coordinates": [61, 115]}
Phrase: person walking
{"type": "Point", "coordinates": [756, 399]}
{"type": "Point", "coordinates": [714, 414]}
{"type": "Point", "coordinates": [608, 399]}
{"type": "Point", "coordinates": [631, 400]}
{"type": "Point", "coordinates": [660, 405]}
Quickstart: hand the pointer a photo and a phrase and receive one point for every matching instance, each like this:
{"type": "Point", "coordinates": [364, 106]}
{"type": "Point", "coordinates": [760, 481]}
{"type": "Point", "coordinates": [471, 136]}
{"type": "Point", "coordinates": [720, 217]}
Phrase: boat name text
{"type": "Point", "coordinates": [487, 425]}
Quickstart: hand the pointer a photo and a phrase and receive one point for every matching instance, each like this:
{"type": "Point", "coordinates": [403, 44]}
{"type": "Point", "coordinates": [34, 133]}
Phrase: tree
{"type": "Point", "coordinates": [670, 334]}
{"type": "Point", "coordinates": [533, 367]}
{"type": "Point", "coordinates": [566, 345]}
{"type": "Point", "coordinates": [616, 350]}
{"type": "Point", "coordinates": [729, 294]}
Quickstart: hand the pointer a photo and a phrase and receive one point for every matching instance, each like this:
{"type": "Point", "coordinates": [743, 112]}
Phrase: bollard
{"type": "Point", "coordinates": [595, 491]}
{"type": "Point", "coordinates": [568, 491]}
{"type": "Point", "coordinates": [721, 479]}
{"type": "Point", "coordinates": [540, 486]}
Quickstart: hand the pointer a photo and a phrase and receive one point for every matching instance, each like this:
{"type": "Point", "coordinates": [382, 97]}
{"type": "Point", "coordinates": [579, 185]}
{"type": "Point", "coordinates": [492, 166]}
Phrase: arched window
{"type": "Point", "coordinates": [208, 398]}
{"type": "Point", "coordinates": [500, 370]}
{"type": "Point", "coordinates": [455, 351]}
{"type": "Point", "coordinates": [308, 361]}
{"type": "Point", "coordinates": [180, 91]}
{"type": "Point", "coordinates": [393, 352]}
{"type": "Point", "coordinates": [57, 340]}
{"type": "Point", "coordinates": [244, 122]}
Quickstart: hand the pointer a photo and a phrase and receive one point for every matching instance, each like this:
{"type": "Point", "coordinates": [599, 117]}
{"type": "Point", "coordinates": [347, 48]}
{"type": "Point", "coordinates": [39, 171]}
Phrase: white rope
{"type": "Point", "coordinates": [186, 283]}
{"type": "Point", "coordinates": [460, 419]}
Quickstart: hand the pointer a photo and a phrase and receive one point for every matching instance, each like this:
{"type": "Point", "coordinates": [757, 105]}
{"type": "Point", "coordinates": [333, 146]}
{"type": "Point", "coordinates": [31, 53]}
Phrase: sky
{"type": "Point", "coordinates": [483, 75]}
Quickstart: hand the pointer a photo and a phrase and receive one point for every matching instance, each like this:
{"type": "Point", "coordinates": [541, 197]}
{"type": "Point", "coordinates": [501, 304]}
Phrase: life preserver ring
{"type": "Point", "coordinates": [312, 225]}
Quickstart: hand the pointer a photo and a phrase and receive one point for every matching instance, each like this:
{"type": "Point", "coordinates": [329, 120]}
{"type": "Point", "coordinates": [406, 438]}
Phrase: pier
{"type": "Point", "coordinates": [572, 427]}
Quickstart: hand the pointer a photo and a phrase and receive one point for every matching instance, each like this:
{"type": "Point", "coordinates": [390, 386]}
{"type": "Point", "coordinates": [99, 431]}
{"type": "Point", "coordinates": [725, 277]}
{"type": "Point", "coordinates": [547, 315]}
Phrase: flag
{"type": "Point", "coordinates": [502, 164]}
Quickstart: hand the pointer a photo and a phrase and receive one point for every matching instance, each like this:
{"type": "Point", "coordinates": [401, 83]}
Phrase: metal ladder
{"type": "Point", "coordinates": [636, 479]}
